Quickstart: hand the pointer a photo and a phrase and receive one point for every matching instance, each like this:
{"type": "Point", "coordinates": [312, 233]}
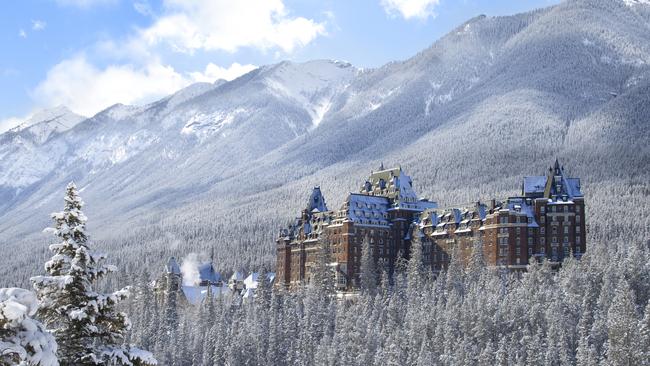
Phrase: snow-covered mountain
{"type": "Point", "coordinates": [496, 98]}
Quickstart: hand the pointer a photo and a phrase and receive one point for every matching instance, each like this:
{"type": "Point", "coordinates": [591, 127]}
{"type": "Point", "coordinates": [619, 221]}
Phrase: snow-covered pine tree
{"type": "Point", "coordinates": [23, 340]}
{"type": "Point", "coordinates": [368, 269]}
{"type": "Point", "coordinates": [417, 276]}
{"type": "Point", "coordinates": [644, 336]}
{"type": "Point", "coordinates": [621, 323]}
{"type": "Point", "coordinates": [86, 324]}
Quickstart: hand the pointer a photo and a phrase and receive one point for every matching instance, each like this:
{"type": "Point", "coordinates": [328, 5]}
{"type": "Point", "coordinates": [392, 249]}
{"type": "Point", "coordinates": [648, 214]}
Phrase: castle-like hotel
{"type": "Point", "coordinates": [546, 221]}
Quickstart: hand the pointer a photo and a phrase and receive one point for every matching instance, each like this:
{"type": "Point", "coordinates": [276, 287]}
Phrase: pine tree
{"type": "Point", "coordinates": [23, 340]}
{"type": "Point", "coordinates": [621, 327]}
{"type": "Point", "coordinates": [322, 275]}
{"type": "Point", "coordinates": [368, 269]}
{"type": "Point", "coordinates": [644, 337]}
{"type": "Point", "coordinates": [88, 328]}
{"type": "Point", "coordinates": [415, 272]}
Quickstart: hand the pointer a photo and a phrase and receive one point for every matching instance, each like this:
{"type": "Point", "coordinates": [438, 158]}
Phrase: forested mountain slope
{"type": "Point", "coordinates": [223, 165]}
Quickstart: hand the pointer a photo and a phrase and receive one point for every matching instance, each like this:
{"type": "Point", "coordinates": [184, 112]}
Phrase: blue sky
{"type": "Point", "coordinates": [90, 54]}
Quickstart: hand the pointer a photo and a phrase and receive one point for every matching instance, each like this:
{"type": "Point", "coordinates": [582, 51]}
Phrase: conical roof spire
{"type": "Point", "coordinates": [172, 266]}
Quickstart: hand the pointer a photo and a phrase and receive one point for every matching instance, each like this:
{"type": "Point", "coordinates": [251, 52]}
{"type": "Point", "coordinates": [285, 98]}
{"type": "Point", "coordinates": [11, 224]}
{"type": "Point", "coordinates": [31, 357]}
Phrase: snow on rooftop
{"type": "Point", "coordinates": [534, 184]}
{"type": "Point", "coordinates": [196, 294]}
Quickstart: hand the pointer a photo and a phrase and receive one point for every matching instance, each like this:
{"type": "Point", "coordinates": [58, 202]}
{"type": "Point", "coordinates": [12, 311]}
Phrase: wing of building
{"type": "Point", "coordinates": [546, 221]}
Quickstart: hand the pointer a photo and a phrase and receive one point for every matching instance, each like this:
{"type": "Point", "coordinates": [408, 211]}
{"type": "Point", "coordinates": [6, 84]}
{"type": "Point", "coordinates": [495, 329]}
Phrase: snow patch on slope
{"type": "Point", "coordinates": [203, 125]}
{"type": "Point", "coordinates": [42, 124]}
{"type": "Point", "coordinates": [110, 150]}
{"type": "Point", "coordinates": [313, 84]}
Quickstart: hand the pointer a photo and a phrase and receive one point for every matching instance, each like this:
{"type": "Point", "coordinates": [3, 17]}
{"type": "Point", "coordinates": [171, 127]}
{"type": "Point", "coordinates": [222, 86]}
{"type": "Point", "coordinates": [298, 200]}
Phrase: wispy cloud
{"type": "Point", "coordinates": [135, 71]}
{"type": "Point", "coordinates": [229, 25]}
{"type": "Point", "coordinates": [38, 25]}
{"type": "Point", "coordinates": [214, 72]}
{"type": "Point", "coordinates": [143, 7]}
{"type": "Point", "coordinates": [409, 9]}
{"type": "Point", "coordinates": [84, 3]}
{"type": "Point", "coordinates": [22, 33]}
{"type": "Point", "coordinates": [87, 89]}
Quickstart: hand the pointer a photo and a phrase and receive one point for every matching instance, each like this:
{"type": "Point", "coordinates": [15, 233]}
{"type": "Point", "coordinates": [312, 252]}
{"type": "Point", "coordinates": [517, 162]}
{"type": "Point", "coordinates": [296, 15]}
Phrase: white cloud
{"type": "Point", "coordinates": [22, 33]}
{"type": "Point", "coordinates": [143, 7]}
{"type": "Point", "coordinates": [215, 72]}
{"type": "Point", "coordinates": [229, 25]}
{"type": "Point", "coordinates": [135, 73]}
{"type": "Point", "coordinates": [84, 3]}
{"type": "Point", "coordinates": [409, 9]}
{"type": "Point", "coordinates": [86, 89]}
{"type": "Point", "coordinates": [38, 25]}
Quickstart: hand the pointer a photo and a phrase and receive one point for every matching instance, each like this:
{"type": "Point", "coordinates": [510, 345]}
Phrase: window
{"type": "Point", "coordinates": [530, 241]}
{"type": "Point", "coordinates": [577, 229]}
{"type": "Point", "coordinates": [542, 241]}
{"type": "Point", "coordinates": [542, 250]}
{"type": "Point", "coordinates": [518, 251]}
{"type": "Point", "coordinates": [577, 208]}
{"type": "Point", "coordinates": [577, 218]}
{"type": "Point", "coordinates": [566, 251]}
{"type": "Point", "coordinates": [542, 230]}
{"type": "Point", "coordinates": [530, 251]}
{"type": "Point", "coordinates": [566, 239]}
{"type": "Point", "coordinates": [577, 240]}
{"type": "Point", "coordinates": [542, 209]}
{"type": "Point", "coordinates": [566, 229]}
{"type": "Point", "coordinates": [554, 239]}
{"type": "Point", "coordinates": [543, 219]}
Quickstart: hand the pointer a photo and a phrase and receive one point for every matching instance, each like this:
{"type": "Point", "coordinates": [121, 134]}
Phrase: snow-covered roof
{"type": "Point", "coordinates": [172, 266]}
{"type": "Point", "coordinates": [522, 205]}
{"type": "Point", "coordinates": [316, 201]}
{"type": "Point", "coordinates": [237, 276]}
{"type": "Point", "coordinates": [208, 273]}
{"type": "Point", "coordinates": [367, 210]}
{"type": "Point", "coordinates": [251, 281]}
{"type": "Point", "coordinates": [397, 186]}
{"type": "Point", "coordinates": [196, 294]}
{"type": "Point", "coordinates": [554, 184]}
{"type": "Point", "coordinates": [534, 185]}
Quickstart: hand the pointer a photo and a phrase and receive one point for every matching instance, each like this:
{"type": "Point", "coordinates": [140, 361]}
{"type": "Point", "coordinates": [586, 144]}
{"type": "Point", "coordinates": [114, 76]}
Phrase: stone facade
{"type": "Point", "coordinates": [383, 211]}
{"type": "Point", "coordinates": [546, 221]}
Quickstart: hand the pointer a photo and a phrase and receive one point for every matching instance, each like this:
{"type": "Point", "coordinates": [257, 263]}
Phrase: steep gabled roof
{"type": "Point", "coordinates": [316, 201]}
{"type": "Point", "coordinates": [207, 273]}
{"type": "Point", "coordinates": [554, 183]}
{"type": "Point", "coordinates": [172, 266]}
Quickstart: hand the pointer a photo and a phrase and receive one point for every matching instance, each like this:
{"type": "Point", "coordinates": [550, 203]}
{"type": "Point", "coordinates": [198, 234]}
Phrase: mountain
{"type": "Point", "coordinates": [222, 165]}
{"type": "Point", "coordinates": [22, 161]}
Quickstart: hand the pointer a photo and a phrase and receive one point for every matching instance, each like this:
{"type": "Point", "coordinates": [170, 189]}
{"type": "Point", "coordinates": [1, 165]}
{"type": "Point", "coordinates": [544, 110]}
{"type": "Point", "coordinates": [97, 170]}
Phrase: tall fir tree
{"type": "Point", "coordinates": [86, 324]}
{"type": "Point", "coordinates": [621, 323]}
{"type": "Point", "coordinates": [368, 269]}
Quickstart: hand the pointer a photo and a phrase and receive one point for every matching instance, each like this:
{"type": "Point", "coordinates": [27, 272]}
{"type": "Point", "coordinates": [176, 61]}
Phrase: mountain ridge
{"type": "Point", "coordinates": [494, 99]}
